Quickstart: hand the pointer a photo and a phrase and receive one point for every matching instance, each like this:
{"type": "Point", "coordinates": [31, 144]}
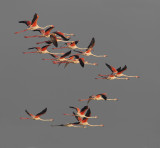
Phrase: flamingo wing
{"type": "Point", "coordinates": [88, 114]}
{"type": "Point", "coordinates": [45, 47]}
{"type": "Point", "coordinates": [92, 43]}
{"type": "Point", "coordinates": [61, 35]}
{"type": "Point", "coordinates": [119, 69]}
{"type": "Point", "coordinates": [47, 31]}
{"type": "Point", "coordinates": [28, 23]}
{"type": "Point", "coordinates": [42, 112]}
{"type": "Point", "coordinates": [66, 54]}
{"type": "Point", "coordinates": [84, 109]}
{"type": "Point", "coordinates": [77, 117]}
{"type": "Point", "coordinates": [76, 108]}
{"type": "Point", "coordinates": [29, 113]}
{"type": "Point", "coordinates": [54, 40]}
{"type": "Point", "coordinates": [104, 96]}
{"type": "Point", "coordinates": [81, 61]}
{"type": "Point", "coordinates": [111, 68]}
{"type": "Point", "coordinates": [35, 19]}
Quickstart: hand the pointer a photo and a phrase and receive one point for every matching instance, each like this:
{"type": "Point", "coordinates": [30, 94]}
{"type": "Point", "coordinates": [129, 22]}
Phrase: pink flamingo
{"type": "Point", "coordinates": [32, 25]}
{"type": "Point", "coordinates": [98, 97]}
{"type": "Point", "coordinates": [37, 116]}
{"type": "Point", "coordinates": [42, 50]}
{"type": "Point", "coordinates": [118, 72]}
{"type": "Point", "coordinates": [44, 33]}
{"type": "Point", "coordinates": [110, 77]}
{"type": "Point", "coordinates": [60, 58]}
{"type": "Point", "coordinates": [80, 113]}
{"type": "Point", "coordinates": [71, 45]}
{"type": "Point", "coordinates": [89, 49]}
{"type": "Point", "coordinates": [82, 122]}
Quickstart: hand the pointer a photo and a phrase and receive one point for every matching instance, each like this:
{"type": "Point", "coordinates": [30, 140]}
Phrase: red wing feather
{"type": "Point", "coordinates": [47, 31]}
{"type": "Point", "coordinates": [45, 47]}
{"type": "Point", "coordinates": [84, 109]}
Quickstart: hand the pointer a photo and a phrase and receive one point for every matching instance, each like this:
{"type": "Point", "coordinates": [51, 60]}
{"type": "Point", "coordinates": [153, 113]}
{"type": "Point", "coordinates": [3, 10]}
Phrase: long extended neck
{"type": "Point", "coordinates": [46, 119]}
{"type": "Point", "coordinates": [114, 99]}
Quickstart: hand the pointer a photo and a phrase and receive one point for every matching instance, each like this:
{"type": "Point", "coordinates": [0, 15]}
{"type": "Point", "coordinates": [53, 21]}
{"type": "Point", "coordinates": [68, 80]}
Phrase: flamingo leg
{"type": "Point", "coordinates": [21, 31]}
{"type": "Point", "coordinates": [32, 36]}
{"type": "Point", "coordinates": [30, 52]}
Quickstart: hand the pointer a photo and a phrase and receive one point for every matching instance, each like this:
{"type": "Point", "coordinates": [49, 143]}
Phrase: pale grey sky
{"type": "Point", "coordinates": [126, 30]}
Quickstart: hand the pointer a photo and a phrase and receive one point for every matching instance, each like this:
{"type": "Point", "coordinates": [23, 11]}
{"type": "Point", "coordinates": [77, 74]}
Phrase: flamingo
{"type": "Point", "coordinates": [60, 58]}
{"type": "Point", "coordinates": [55, 39]}
{"type": "Point", "coordinates": [119, 72]}
{"type": "Point", "coordinates": [80, 113]}
{"type": "Point", "coordinates": [32, 25]}
{"type": "Point", "coordinates": [44, 33]}
{"type": "Point", "coordinates": [60, 33]}
{"type": "Point", "coordinates": [42, 50]}
{"type": "Point", "coordinates": [89, 49]}
{"type": "Point", "coordinates": [102, 96]}
{"type": "Point", "coordinates": [72, 59]}
{"type": "Point", "coordinates": [84, 121]}
{"type": "Point", "coordinates": [75, 59]}
{"type": "Point", "coordinates": [37, 116]}
{"type": "Point", "coordinates": [110, 77]}
{"type": "Point", "coordinates": [75, 124]}
{"type": "Point", "coordinates": [71, 45]}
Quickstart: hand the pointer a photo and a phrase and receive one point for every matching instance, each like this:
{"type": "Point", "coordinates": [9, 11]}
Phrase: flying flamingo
{"type": "Point", "coordinates": [65, 34]}
{"type": "Point", "coordinates": [44, 33]}
{"type": "Point", "coordinates": [60, 58]}
{"type": "Point", "coordinates": [84, 121]}
{"type": "Point", "coordinates": [54, 38]}
{"type": "Point", "coordinates": [72, 59]}
{"type": "Point", "coordinates": [42, 50]}
{"type": "Point", "coordinates": [32, 25]}
{"type": "Point", "coordinates": [98, 97]}
{"type": "Point", "coordinates": [118, 72]}
{"type": "Point", "coordinates": [80, 113]}
{"type": "Point", "coordinates": [37, 116]}
{"type": "Point", "coordinates": [110, 77]}
{"type": "Point", "coordinates": [75, 59]}
{"type": "Point", "coordinates": [71, 45]}
{"type": "Point", "coordinates": [89, 49]}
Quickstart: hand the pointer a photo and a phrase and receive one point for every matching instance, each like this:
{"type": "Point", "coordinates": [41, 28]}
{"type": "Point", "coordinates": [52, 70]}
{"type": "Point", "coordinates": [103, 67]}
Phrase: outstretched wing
{"type": "Point", "coordinates": [111, 68]}
{"type": "Point", "coordinates": [42, 112]}
{"type": "Point", "coordinates": [35, 19]}
{"type": "Point", "coordinates": [66, 54]}
{"type": "Point", "coordinates": [84, 109]}
{"type": "Point", "coordinates": [29, 113]}
{"type": "Point", "coordinates": [61, 35]}
{"type": "Point", "coordinates": [76, 108]}
{"type": "Point", "coordinates": [28, 23]}
{"type": "Point", "coordinates": [54, 40]}
{"type": "Point", "coordinates": [92, 43]}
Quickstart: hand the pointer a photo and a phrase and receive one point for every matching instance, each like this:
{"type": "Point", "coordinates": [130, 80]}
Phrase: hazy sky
{"type": "Point", "coordinates": [126, 30]}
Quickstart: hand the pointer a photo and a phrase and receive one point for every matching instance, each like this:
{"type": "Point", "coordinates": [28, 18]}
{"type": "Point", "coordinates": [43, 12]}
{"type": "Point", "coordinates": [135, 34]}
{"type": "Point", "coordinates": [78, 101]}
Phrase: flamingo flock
{"type": "Point", "coordinates": [78, 57]}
